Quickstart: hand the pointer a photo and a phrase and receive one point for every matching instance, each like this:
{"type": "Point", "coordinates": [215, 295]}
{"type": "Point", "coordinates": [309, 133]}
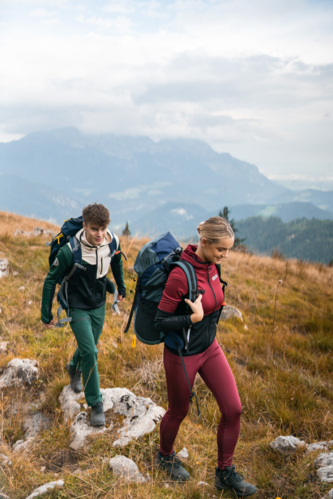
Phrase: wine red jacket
{"type": "Point", "coordinates": [174, 315]}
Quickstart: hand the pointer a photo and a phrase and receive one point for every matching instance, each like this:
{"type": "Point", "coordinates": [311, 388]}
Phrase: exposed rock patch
{"type": "Point", "coordinates": [3, 346]}
{"type": "Point", "coordinates": [326, 474]}
{"type": "Point", "coordinates": [183, 454]}
{"type": "Point", "coordinates": [5, 460]}
{"type": "Point", "coordinates": [19, 372]}
{"type": "Point", "coordinates": [36, 231]}
{"type": "Point", "coordinates": [323, 460]}
{"type": "Point", "coordinates": [43, 489]}
{"type": "Point", "coordinates": [4, 267]}
{"type": "Point", "coordinates": [141, 415]}
{"type": "Point", "coordinates": [127, 469]}
{"type": "Point", "coordinates": [228, 312]}
{"type": "Point", "coordinates": [287, 444]}
{"type": "Point", "coordinates": [23, 445]}
{"type": "Point", "coordinates": [317, 446]}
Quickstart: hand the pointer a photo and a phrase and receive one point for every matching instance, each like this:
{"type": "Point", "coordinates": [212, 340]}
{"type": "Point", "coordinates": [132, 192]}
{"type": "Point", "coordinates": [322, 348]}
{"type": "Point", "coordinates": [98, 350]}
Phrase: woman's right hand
{"type": "Point", "coordinates": [196, 308]}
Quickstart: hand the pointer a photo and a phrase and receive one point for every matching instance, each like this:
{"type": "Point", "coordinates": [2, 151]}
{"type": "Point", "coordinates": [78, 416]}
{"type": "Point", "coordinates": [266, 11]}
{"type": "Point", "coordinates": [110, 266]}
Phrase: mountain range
{"type": "Point", "coordinates": [52, 175]}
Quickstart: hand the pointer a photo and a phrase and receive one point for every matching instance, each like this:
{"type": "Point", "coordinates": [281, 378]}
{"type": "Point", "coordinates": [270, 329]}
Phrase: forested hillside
{"type": "Point", "coordinates": [302, 239]}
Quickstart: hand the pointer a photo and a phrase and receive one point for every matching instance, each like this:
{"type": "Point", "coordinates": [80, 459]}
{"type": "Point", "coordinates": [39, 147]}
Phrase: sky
{"type": "Point", "coordinates": [250, 77]}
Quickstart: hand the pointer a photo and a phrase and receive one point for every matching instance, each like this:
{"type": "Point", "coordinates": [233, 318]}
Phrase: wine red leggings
{"type": "Point", "coordinates": [214, 369]}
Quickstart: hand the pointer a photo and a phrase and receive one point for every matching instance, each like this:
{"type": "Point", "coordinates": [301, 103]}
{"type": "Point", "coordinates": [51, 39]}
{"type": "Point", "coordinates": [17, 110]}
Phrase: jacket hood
{"type": "Point", "coordinates": [190, 256]}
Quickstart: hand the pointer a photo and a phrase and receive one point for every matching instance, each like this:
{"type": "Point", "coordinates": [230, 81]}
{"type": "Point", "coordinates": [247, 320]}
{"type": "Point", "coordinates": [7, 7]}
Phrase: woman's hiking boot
{"type": "Point", "coordinates": [173, 466]}
{"type": "Point", "coordinates": [230, 480]}
{"type": "Point", "coordinates": [97, 416]}
{"type": "Point", "coordinates": [75, 377]}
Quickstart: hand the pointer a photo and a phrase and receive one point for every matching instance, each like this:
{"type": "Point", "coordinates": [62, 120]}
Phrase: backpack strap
{"type": "Point", "coordinates": [62, 295]}
{"type": "Point", "coordinates": [113, 245]}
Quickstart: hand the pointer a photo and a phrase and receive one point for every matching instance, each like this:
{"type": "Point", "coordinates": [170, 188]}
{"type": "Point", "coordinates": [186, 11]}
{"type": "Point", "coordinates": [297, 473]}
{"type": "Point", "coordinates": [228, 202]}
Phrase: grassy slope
{"type": "Point", "coordinates": [283, 372]}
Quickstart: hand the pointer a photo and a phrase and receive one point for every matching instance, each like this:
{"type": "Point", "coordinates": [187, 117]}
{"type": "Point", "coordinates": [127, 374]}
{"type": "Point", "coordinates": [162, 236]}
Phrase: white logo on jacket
{"type": "Point", "coordinates": [214, 277]}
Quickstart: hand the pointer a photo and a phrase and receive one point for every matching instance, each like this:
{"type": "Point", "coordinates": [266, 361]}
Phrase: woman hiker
{"type": "Point", "coordinates": [204, 355]}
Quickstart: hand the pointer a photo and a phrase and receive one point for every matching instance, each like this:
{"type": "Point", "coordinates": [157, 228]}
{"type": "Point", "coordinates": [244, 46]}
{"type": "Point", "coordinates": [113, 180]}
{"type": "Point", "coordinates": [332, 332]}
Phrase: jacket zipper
{"type": "Point", "coordinates": [210, 318]}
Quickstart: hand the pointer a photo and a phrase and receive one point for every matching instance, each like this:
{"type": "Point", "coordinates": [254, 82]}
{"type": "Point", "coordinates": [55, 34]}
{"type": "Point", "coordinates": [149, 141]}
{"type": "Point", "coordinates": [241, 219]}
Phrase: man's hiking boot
{"type": "Point", "coordinates": [173, 466]}
{"type": "Point", "coordinates": [97, 417]}
{"type": "Point", "coordinates": [75, 377]}
{"type": "Point", "coordinates": [230, 480]}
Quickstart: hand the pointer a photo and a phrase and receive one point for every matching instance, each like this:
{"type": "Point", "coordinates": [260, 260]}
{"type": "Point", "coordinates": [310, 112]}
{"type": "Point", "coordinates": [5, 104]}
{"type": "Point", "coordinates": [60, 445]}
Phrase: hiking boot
{"type": "Point", "coordinates": [75, 377]}
{"type": "Point", "coordinates": [97, 417]}
{"type": "Point", "coordinates": [173, 466]}
{"type": "Point", "coordinates": [230, 480]}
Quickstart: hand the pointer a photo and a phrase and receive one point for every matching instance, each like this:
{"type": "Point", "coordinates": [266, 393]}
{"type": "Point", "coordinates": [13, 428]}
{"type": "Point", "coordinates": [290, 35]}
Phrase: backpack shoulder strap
{"type": "Point", "coordinates": [190, 276]}
{"type": "Point", "coordinates": [114, 244]}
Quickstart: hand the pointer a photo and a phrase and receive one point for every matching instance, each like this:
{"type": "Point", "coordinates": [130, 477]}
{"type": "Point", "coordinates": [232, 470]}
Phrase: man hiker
{"type": "Point", "coordinates": [86, 299]}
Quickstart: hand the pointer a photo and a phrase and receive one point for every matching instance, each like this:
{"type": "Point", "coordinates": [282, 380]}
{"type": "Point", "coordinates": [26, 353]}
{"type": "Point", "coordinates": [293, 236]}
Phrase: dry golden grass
{"type": "Point", "coordinates": [283, 370]}
{"type": "Point", "coordinates": [9, 222]}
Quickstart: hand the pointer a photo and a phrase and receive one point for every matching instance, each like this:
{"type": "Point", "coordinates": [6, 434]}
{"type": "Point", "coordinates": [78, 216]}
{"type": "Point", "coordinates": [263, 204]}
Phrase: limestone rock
{"type": "Point", "coordinates": [23, 445]}
{"type": "Point", "coordinates": [323, 460]}
{"type": "Point", "coordinates": [19, 372]}
{"type": "Point", "coordinates": [5, 460]}
{"type": "Point", "coordinates": [4, 267]}
{"type": "Point", "coordinates": [183, 454]}
{"type": "Point", "coordinates": [127, 469]}
{"type": "Point", "coordinates": [43, 489]}
{"type": "Point", "coordinates": [20, 232]}
{"type": "Point", "coordinates": [203, 484]}
{"type": "Point", "coordinates": [81, 429]}
{"type": "Point", "coordinates": [228, 312]}
{"type": "Point", "coordinates": [287, 444]}
{"type": "Point", "coordinates": [69, 403]}
{"type": "Point", "coordinates": [317, 446]}
{"type": "Point", "coordinates": [141, 415]}
{"type": "Point", "coordinates": [326, 474]}
{"type": "Point", "coordinates": [3, 346]}
{"type": "Point", "coordinates": [329, 495]}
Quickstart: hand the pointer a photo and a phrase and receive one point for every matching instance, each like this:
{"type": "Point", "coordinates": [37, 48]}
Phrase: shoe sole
{"type": "Point", "coordinates": [225, 487]}
{"type": "Point", "coordinates": [97, 425]}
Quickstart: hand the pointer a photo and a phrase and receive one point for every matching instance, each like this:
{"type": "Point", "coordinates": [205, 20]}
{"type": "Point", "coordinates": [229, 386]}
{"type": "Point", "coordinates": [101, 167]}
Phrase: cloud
{"type": "Point", "coordinates": [252, 78]}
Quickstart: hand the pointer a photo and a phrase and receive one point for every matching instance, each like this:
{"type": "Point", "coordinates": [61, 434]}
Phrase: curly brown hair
{"type": "Point", "coordinates": [96, 214]}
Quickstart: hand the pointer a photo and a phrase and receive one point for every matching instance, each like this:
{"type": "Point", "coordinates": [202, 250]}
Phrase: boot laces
{"type": "Point", "coordinates": [174, 460]}
{"type": "Point", "coordinates": [236, 476]}
{"type": "Point", "coordinates": [98, 408]}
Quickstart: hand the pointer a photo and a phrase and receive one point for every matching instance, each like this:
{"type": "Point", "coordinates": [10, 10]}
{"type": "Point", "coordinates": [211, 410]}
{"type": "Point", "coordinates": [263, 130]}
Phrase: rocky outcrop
{"type": "Point", "coordinates": [324, 459]}
{"type": "Point", "coordinates": [141, 415]}
{"type": "Point", "coordinates": [326, 474]}
{"type": "Point", "coordinates": [228, 312]}
{"type": "Point", "coordinates": [43, 489]}
{"type": "Point", "coordinates": [3, 346]}
{"type": "Point", "coordinates": [127, 469]}
{"type": "Point", "coordinates": [4, 267]}
{"type": "Point", "coordinates": [317, 446]}
{"type": "Point", "coordinates": [36, 231]}
{"type": "Point", "coordinates": [183, 454]}
{"type": "Point", "coordinates": [287, 444]}
{"type": "Point", "coordinates": [19, 372]}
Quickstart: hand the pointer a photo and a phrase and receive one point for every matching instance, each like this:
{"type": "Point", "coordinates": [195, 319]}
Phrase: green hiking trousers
{"type": "Point", "coordinates": [87, 326]}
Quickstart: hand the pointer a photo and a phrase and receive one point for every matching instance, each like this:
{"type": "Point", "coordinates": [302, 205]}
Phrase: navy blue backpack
{"type": "Point", "coordinates": [153, 265]}
{"type": "Point", "coordinates": [67, 235]}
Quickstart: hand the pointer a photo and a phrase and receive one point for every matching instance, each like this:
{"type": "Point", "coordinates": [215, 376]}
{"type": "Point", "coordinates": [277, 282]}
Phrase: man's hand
{"type": "Point", "coordinates": [50, 325]}
{"type": "Point", "coordinates": [120, 297]}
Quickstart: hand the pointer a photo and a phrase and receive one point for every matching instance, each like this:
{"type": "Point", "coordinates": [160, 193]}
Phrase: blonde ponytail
{"type": "Point", "coordinates": [214, 229]}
